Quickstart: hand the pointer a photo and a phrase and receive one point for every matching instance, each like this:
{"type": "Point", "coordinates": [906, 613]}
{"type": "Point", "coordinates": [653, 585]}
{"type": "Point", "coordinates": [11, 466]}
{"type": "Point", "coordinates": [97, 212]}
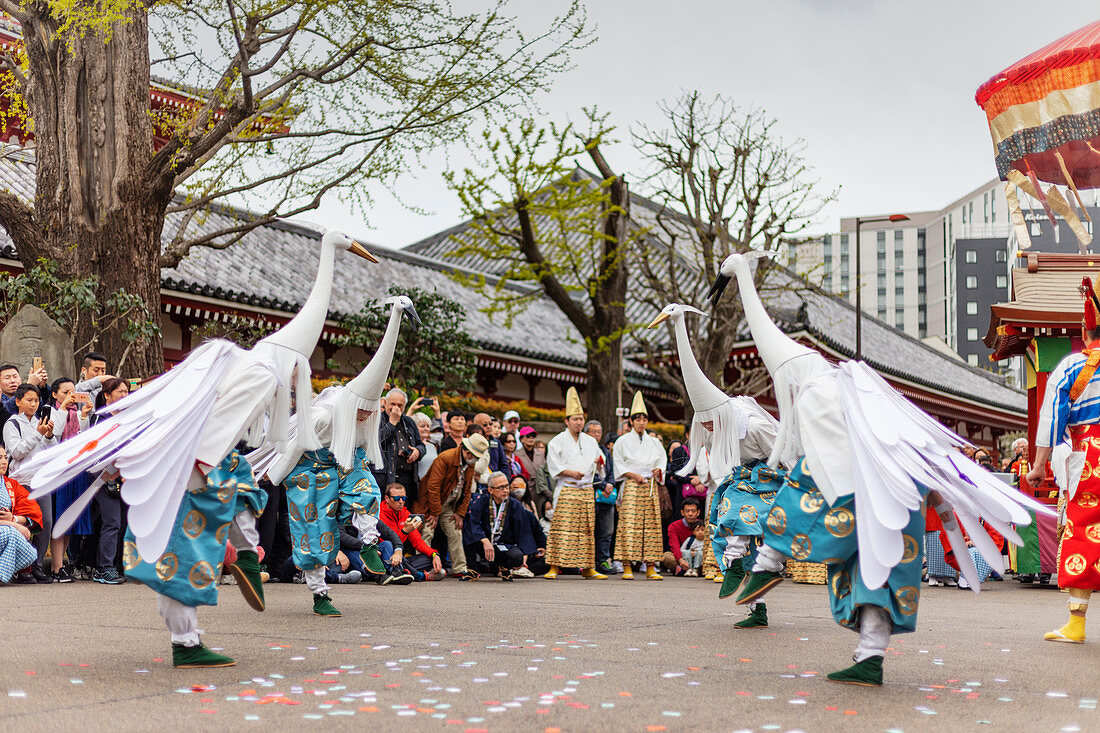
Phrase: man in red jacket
{"type": "Point", "coordinates": [396, 516]}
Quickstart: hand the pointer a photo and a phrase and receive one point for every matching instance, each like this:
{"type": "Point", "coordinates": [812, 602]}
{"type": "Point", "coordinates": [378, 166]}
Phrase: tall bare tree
{"type": "Point", "coordinates": [543, 221]}
{"type": "Point", "coordinates": [724, 181]}
{"type": "Point", "coordinates": [290, 101]}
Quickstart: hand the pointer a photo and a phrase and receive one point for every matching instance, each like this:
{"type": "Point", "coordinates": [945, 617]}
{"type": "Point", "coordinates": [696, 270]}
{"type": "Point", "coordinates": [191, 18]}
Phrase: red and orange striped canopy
{"type": "Point", "coordinates": [1044, 112]}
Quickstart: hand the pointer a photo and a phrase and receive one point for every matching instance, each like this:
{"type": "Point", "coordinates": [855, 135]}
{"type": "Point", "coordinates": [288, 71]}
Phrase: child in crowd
{"type": "Point", "coordinates": [692, 549]}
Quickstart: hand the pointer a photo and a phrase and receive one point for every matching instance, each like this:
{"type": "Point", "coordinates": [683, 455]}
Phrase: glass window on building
{"type": "Point", "coordinates": [882, 313]}
{"type": "Point", "coordinates": [993, 207]}
{"type": "Point", "coordinates": [971, 308]}
{"type": "Point", "coordinates": [971, 212]}
{"type": "Point", "coordinates": [971, 282]}
{"type": "Point", "coordinates": [1001, 256]}
{"type": "Point", "coordinates": [971, 256]}
{"type": "Point", "coordinates": [1002, 281]}
{"type": "Point", "coordinates": [971, 334]}
{"type": "Point", "coordinates": [964, 213]}
{"type": "Point", "coordinates": [972, 359]}
{"type": "Point", "coordinates": [1036, 229]}
{"type": "Point", "coordinates": [899, 317]}
{"type": "Point", "coordinates": [985, 207]}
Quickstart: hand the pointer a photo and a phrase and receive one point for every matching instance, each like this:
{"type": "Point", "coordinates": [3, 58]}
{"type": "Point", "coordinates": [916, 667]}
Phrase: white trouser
{"type": "Point", "coordinates": [367, 525]}
{"type": "Point", "coordinates": [243, 534]}
{"type": "Point", "coordinates": [181, 620]}
{"type": "Point", "coordinates": [768, 560]}
{"type": "Point", "coordinates": [736, 548]}
{"type": "Point", "coordinates": [315, 580]}
{"type": "Point", "coordinates": [874, 633]}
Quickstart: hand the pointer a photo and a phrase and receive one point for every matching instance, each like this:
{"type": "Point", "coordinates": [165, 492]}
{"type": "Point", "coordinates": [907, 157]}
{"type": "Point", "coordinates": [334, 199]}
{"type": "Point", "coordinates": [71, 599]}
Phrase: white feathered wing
{"type": "Point", "coordinates": [151, 437]}
{"type": "Point", "coordinates": [891, 446]}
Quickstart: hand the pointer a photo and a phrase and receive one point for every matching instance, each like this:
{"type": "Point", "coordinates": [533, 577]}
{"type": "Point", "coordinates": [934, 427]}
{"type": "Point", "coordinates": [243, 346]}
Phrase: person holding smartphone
{"type": "Point", "coordinates": [69, 410]}
{"type": "Point", "coordinates": [25, 435]}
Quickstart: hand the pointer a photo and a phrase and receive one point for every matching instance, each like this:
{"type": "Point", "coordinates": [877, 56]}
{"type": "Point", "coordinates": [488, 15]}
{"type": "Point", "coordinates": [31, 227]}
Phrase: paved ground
{"type": "Point", "coordinates": [535, 655]}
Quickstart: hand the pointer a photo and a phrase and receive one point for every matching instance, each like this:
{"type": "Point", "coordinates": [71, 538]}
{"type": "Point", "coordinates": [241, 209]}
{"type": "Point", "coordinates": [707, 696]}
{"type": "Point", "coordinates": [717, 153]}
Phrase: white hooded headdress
{"type": "Point", "coordinates": [711, 404]}
{"type": "Point", "coordinates": [363, 393]}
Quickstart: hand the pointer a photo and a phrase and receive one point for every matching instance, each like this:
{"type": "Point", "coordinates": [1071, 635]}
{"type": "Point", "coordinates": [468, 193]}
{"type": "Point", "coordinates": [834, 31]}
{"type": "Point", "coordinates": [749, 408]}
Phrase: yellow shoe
{"type": "Point", "coordinates": [628, 572]}
{"type": "Point", "coordinates": [709, 575]}
{"type": "Point", "coordinates": [652, 574]}
{"type": "Point", "coordinates": [591, 574]}
{"type": "Point", "coordinates": [719, 578]}
{"type": "Point", "coordinates": [1072, 633]}
{"type": "Point", "coordinates": [552, 572]}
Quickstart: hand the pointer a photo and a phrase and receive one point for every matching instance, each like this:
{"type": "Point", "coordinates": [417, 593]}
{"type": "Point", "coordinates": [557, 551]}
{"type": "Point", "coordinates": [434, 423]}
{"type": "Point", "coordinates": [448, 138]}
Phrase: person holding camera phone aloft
{"type": "Point", "coordinates": [25, 435]}
{"type": "Point", "coordinates": [70, 412]}
{"type": "Point", "coordinates": [401, 446]}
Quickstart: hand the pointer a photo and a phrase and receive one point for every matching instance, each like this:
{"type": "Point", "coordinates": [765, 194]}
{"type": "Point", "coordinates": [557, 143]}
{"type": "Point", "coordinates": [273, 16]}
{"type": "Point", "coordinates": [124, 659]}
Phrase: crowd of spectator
{"type": "Point", "coordinates": [464, 495]}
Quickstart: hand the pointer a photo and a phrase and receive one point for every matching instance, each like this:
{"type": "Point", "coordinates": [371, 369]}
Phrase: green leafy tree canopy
{"type": "Point", "coordinates": [436, 358]}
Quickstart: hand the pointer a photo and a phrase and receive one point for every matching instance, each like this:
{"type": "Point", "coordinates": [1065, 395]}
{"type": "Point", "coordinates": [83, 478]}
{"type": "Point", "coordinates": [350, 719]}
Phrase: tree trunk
{"type": "Point", "coordinates": [604, 374]}
{"type": "Point", "coordinates": [94, 211]}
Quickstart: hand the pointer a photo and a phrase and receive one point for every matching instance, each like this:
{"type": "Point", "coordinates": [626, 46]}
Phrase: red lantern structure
{"type": "Point", "coordinates": [1044, 116]}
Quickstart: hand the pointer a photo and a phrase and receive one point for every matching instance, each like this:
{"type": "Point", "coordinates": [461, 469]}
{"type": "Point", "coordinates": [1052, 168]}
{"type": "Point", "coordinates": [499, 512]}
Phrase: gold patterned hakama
{"type": "Point", "coordinates": [639, 537]}
{"type": "Point", "coordinates": [571, 541]}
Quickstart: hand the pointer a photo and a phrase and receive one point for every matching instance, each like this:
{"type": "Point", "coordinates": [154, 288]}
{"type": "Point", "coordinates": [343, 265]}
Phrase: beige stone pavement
{"type": "Point", "coordinates": [535, 655]}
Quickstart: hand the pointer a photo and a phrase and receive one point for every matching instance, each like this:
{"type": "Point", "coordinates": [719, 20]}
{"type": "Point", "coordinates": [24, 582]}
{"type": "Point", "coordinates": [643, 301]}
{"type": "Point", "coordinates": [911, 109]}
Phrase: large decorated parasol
{"type": "Point", "coordinates": [1044, 116]}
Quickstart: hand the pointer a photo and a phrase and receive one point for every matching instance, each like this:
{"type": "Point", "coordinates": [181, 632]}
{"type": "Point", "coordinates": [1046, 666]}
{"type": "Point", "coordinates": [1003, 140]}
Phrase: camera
{"type": "Point", "coordinates": [405, 453]}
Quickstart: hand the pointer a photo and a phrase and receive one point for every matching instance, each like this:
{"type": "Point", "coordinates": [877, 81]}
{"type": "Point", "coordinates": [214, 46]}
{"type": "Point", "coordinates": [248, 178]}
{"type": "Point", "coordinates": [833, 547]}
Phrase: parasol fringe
{"type": "Point", "coordinates": [1072, 185]}
{"type": "Point", "coordinates": [1052, 199]}
{"type": "Point", "coordinates": [1023, 238]}
{"type": "Point", "coordinates": [1041, 197]}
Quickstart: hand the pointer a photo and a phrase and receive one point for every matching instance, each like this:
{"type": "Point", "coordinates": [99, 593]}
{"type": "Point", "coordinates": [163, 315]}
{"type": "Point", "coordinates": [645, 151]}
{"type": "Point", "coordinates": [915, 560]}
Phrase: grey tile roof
{"type": "Point", "coordinates": [273, 267]}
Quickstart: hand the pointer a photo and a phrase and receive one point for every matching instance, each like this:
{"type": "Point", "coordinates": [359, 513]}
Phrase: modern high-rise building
{"type": "Point", "coordinates": [935, 274]}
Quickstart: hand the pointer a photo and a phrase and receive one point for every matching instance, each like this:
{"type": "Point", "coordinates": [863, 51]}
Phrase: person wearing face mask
{"type": "Point", "coordinates": [533, 460]}
{"type": "Point", "coordinates": [445, 496]}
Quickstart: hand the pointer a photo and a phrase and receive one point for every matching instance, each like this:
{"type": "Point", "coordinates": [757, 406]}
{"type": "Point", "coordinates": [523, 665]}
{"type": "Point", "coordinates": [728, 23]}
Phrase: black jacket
{"type": "Point", "coordinates": [389, 437]}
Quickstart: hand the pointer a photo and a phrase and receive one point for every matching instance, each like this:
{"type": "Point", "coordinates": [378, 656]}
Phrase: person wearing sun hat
{"type": "Point", "coordinates": [573, 459]}
{"type": "Point", "coordinates": [445, 496]}
{"type": "Point", "coordinates": [1068, 435]}
{"type": "Point", "coordinates": [639, 461]}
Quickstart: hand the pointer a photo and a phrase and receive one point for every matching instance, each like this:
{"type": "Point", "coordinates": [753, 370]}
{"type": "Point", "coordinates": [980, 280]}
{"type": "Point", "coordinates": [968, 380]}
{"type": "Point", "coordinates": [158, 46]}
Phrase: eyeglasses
{"type": "Point", "coordinates": [398, 498]}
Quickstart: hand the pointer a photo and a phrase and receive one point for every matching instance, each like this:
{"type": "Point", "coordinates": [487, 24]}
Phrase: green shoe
{"type": "Point", "coordinates": [247, 572]}
{"type": "Point", "coordinates": [194, 657]}
{"type": "Point", "coordinates": [756, 585]}
{"type": "Point", "coordinates": [732, 579]}
{"type": "Point", "coordinates": [867, 673]}
{"type": "Point", "coordinates": [758, 618]}
{"type": "Point", "coordinates": [372, 560]}
{"type": "Point", "coordinates": [322, 606]}
{"type": "Point", "coordinates": [606, 568]}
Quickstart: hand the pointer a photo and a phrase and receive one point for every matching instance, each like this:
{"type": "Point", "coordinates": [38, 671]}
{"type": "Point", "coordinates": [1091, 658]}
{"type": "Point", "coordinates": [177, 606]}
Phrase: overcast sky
{"type": "Point", "coordinates": [882, 92]}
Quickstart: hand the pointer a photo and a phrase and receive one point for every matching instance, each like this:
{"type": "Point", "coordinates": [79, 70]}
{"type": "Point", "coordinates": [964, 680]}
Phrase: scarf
{"type": "Point", "coordinates": [498, 520]}
{"type": "Point", "coordinates": [72, 421]}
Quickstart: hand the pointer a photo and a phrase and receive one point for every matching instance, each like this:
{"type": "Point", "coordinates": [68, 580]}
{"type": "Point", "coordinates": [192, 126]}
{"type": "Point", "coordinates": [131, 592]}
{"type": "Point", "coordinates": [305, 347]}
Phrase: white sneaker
{"type": "Point", "coordinates": [962, 582]}
{"type": "Point", "coordinates": [933, 583]}
{"type": "Point", "coordinates": [618, 566]}
{"type": "Point", "coordinates": [523, 572]}
{"type": "Point", "coordinates": [691, 573]}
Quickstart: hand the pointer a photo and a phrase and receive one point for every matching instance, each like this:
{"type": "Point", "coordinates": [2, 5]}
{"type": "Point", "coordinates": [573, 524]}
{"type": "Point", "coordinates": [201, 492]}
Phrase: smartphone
{"type": "Point", "coordinates": [82, 397]}
{"type": "Point", "coordinates": [36, 364]}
